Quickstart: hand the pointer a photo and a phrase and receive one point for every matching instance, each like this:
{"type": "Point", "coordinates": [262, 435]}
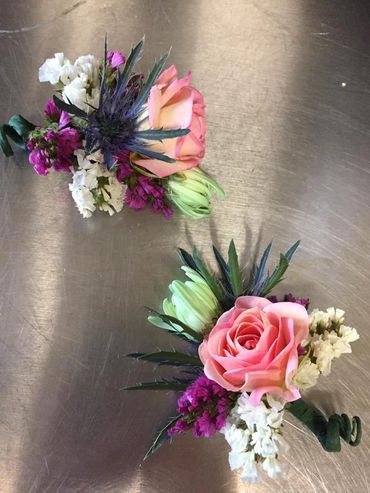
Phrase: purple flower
{"type": "Point", "coordinates": [289, 297]}
{"type": "Point", "coordinates": [52, 113]}
{"type": "Point", "coordinates": [53, 145]}
{"type": "Point", "coordinates": [134, 200]}
{"type": "Point", "coordinates": [204, 407]}
{"type": "Point", "coordinates": [124, 170]}
{"type": "Point", "coordinates": [115, 59]}
{"type": "Point", "coordinates": [64, 120]}
{"type": "Point", "coordinates": [40, 161]}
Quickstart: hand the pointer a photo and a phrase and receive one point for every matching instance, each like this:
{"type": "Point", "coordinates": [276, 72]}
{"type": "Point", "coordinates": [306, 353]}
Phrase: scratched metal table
{"type": "Point", "coordinates": [288, 107]}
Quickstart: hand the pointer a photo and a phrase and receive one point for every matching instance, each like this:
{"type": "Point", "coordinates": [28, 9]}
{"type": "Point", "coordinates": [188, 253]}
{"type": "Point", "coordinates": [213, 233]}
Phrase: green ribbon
{"type": "Point", "coordinates": [17, 130]}
{"type": "Point", "coordinates": [328, 431]}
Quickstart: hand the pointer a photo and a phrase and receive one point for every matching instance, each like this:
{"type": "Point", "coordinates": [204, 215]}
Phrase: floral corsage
{"type": "Point", "coordinates": [250, 356]}
{"type": "Point", "coordinates": [125, 139]}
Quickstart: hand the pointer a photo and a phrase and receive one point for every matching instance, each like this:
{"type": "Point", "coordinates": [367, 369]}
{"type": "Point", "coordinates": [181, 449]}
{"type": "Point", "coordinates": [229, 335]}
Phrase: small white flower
{"type": "Point", "coordinates": [306, 375]}
{"type": "Point", "coordinates": [336, 315]}
{"type": "Point", "coordinates": [250, 472]}
{"type": "Point", "coordinates": [275, 401]}
{"type": "Point", "coordinates": [94, 186]}
{"type": "Point", "coordinates": [253, 435]}
{"type": "Point", "coordinates": [53, 68]}
{"type": "Point", "coordinates": [75, 92]}
{"type": "Point", "coordinates": [84, 200]}
{"type": "Point", "coordinates": [339, 345]}
{"type": "Point", "coordinates": [89, 65]}
{"type": "Point", "coordinates": [323, 352]}
{"type": "Point", "coordinates": [272, 467]}
{"type": "Point", "coordinates": [348, 334]}
{"type": "Point", "coordinates": [252, 415]}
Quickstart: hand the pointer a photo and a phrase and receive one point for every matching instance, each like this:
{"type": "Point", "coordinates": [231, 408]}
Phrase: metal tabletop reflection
{"type": "Point", "coordinates": [287, 91]}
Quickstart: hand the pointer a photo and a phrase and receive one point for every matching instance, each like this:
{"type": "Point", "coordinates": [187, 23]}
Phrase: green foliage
{"type": "Point", "coordinates": [171, 358]}
{"type": "Point", "coordinates": [328, 431]}
{"type": "Point", "coordinates": [175, 326]}
{"type": "Point", "coordinates": [161, 437]}
{"type": "Point", "coordinates": [176, 385]}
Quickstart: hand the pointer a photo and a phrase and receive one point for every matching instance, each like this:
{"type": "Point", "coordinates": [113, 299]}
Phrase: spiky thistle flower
{"type": "Point", "coordinates": [114, 126]}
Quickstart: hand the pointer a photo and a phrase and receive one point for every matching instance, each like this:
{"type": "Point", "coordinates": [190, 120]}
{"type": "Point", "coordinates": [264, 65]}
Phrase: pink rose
{"type": "Point", "coordinates": [174, 104]}
{"type": "Point", "coordinates": [254, 347]}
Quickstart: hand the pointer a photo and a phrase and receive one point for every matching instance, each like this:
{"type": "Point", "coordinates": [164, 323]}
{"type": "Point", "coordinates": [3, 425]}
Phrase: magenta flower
{"type": "Point", "coordinates": [145, 191]}
{"type": "Point", "coordinates": [289, 297]}
{"type": "Point", "coordinates": [204, 407]}
{"type": "Point", "coordinates": [134, 200]}
{"type": "Point", "coordinates": [40, 161]}
{"type": "Point", "coordinates": [115, 59]}
{"type": "Point", "coordinates": [54, 145]}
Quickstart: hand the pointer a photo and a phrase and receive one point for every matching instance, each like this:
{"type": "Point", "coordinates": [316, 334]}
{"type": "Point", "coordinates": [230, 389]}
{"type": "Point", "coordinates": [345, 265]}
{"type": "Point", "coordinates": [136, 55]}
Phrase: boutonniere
{"type": "Point", "coordinates": [250, 358]}
{"type": "Point", "coordinates": [126, 139]}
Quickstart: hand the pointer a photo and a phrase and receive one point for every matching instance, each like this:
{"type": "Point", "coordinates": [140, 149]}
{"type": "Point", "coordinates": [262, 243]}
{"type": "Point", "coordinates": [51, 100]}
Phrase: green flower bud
{"type": "Point", "coordinates": [191, 192]}
{"type": "Point", "coordinates": [192, 302]}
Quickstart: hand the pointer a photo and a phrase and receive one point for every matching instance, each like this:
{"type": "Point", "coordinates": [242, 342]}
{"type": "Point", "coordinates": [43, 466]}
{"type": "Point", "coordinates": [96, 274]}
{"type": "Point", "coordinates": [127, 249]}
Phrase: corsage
{"type": "Point", "coordinates": [125, 139]}
{"type": "Point", "coordinates": [250, 357]}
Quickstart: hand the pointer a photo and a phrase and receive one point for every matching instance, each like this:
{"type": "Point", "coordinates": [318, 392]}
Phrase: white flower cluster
{"type": "Point", "coordinates": [253, 433]}
{"type": "Point", "coordinates": [329, 338]}
{"type": "Point", "coordinates": [79, 82]}
{"type": "Point", "coordinates": [95, 187]}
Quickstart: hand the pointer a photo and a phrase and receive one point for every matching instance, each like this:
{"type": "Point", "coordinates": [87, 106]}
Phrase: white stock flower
{"type": "Point", "coordinates": [323, 352]}
{"type": "Point", "coordinates": [272, 467]}
{"type": "Point", "coordinates": [253, 433]}
{"type": "Point", "coordinates": [79, 93]}
{"type": "Point", "coordinates": [81, 80]}
{"type": "Point", "coordinates": [84, 200]}
{"type": "Point", "coordinates": [306, 375]}
{"type": "Point", "coordinates": [329, 339]}
{"type": "Point", "coordinates": [57, 69]}
{"type": "Point", "coordinates": [250, 472]}
{"type": "Point", "coordinates": [90, 66]}
{"type": "Point", "coordinates": [93, 186]}
{"type": "Point", "coordinates": [348, 334]}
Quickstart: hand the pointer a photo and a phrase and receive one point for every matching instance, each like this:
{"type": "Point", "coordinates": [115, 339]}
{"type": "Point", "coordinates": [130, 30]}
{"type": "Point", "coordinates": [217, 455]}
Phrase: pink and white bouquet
{"type": "Point", "coordinates": [123, 138]}
{"type": "Point", "coordinates": [250, 356]}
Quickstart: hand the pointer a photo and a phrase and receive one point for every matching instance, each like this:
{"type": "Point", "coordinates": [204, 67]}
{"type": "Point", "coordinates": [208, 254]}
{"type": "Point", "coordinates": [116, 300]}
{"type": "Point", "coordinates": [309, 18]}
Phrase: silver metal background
{"type": "Point", "coordinates": [290, 144]}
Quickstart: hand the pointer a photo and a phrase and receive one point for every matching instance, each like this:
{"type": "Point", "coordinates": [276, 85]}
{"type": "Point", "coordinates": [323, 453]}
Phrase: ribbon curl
{"type": "Point", "coordinates": [17, 130]}
{"type": "Point", "coordinates": [328, 431]}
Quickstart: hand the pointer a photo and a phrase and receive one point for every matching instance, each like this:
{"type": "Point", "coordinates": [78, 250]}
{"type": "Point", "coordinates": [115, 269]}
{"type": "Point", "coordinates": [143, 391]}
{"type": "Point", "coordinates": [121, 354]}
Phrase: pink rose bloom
{"type": "Point", "coordinates": [174, 104]}
{"type": "Point", "coordinates": [254, 347]}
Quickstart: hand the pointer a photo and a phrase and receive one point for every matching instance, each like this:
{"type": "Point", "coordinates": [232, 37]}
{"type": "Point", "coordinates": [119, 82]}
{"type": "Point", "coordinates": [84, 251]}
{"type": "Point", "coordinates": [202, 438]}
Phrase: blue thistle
{"type": "Point", "coordinates": [114, 126]}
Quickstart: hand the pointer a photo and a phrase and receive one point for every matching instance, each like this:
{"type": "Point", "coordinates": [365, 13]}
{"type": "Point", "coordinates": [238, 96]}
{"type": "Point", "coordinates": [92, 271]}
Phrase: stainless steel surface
{"type": "Point", "coordinates": [288, 106]}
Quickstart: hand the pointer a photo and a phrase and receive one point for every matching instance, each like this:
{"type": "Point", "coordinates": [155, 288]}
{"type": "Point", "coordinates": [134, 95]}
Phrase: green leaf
{"type": "Point", "coordinates": [289, 254]}
{"type": "Point", "coordinates": [183, 330]}
{"type": "Point", "coordinates": [160, 133]}
{"type": "Point", "coordinates": [328, 431]}
{"type": "Point", "coordinates": [131, 61]}
{"type": "Point", "coordinates": [159, 385]}
{"type": "Point", "coordinates": [275, 277]}
{"type": "Point", "coordinates": [145, 151]}
{"type": "Point", "coordinates": [69, 108]}
{"type": "Point", "coordinates": [208, 277]}
{"type": "Point", "coordinates": [236, 277]}
{"type": "Point", "coordinates": [162, 437]}
{"type": "Point", "coordinates": [224, 268]}
{"type": "Point", "coordinates": [260, 270]}
{"type": "Point", "coordinates": [171, 358]}
{"type": "Point", "coordinates": [188, 260]}
{"type": "Point", "coordinates": [152, 77]}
